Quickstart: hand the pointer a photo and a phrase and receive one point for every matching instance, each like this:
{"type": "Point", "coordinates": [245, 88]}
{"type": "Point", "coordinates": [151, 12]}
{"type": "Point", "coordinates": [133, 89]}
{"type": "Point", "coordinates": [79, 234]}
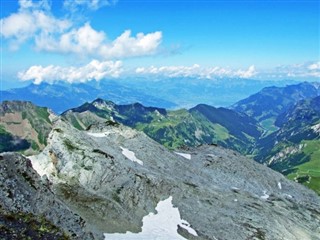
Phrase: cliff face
{"type": "Point", "coordinates": [113, 176]}
{"type": "Point", "coordinates": [29, 208]}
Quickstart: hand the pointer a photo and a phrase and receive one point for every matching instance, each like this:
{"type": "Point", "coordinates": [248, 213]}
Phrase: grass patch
{"type": "Point", "coordinates": [43, 113]}
{"type": "Point", "coordinates": [221, 132]}
{"type": "Point", "coordinates": [75, 123]}
{"type": "Point", "coordinates": [268, 124]}
{"type": "Point", "coordinates": [310, 168]}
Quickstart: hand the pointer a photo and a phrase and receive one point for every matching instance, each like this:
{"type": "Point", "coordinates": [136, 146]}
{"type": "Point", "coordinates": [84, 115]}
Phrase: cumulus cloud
{"type": "Point", "coordinates": [34, 21]}
{"type": "Point", "coordinates": [87, 41]}
{"type": "Point", "coordinates": [196, 71]}
{"type": "Point", "coordinates": [95, 70]}
{"type": "Point", "coordinates": [74, 5]}
{"type": "Point", "coordinates": [247, 73]}
{"type": "Point", "coordinates": [314, 66]}
{"type": "Point", "coordinates": [302, 70]}
{"type": "Point", "coordinates": [30, 20]}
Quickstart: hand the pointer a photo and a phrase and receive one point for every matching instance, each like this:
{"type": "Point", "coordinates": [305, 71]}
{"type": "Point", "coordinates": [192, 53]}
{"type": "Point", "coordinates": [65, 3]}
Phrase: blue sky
{"type": "Point", "coordinates": [95, 39]}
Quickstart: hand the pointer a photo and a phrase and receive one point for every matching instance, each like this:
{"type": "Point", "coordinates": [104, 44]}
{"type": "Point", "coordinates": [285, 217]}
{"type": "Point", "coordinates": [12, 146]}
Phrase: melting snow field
{"type": "Point", "coordinates": [131, 155]}
{"type": "Point", "coordinates": [265, 195]}
{"type": "Point", "coordinates": [103, 134]}
{"type": "Point", "coordinates": [160, 226]}
{"type": "Point", "coordinates": [185, 155]}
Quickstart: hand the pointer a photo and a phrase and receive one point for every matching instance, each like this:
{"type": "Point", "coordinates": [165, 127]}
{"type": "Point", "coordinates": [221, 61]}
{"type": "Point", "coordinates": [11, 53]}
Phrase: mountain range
{"type": "Point", "coordinates": [164, 93]}
{"type": "Point", "coordinates": [282, 147]}
{"type": "Point", "coordinates": [266, 105]}
{"type": "Point", "coordinates": [61, 96]}
{"type": "Point", "coordinates": [115, 171]}
{"type": "Point", "coordinates": [202, 124]}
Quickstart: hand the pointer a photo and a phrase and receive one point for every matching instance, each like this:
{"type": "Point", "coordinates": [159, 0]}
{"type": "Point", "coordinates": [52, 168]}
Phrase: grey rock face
{"type": "Point", "coordinates": [24, 193]}
{"type": "Point", "coordinates": [220, 193]}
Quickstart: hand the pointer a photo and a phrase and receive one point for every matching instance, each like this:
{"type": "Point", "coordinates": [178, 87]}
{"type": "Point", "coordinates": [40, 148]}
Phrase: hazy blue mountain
{"type": "Point", "coordinates": [61, 96]}
{"type": "Point", "coordinates": [170, 93]}
{"type": "Point", "coordinates": [266, 105]}
{"type": "Point", "coordinates": [188, 92]}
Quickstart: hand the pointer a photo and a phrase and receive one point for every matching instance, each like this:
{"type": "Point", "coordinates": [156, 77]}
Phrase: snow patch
{"type": "Point", "coordinates": [160, 226]}
{"type": "Point", "coordinates": [103, 134]}
{"type": "Point", "coordinates": [131, 155]}
{"type": "Point", "coordinates": [265, 195]}
{"type": "Point", "coordinates": [279, 185]}
{"type": "Point", "coordinates": [288, 195]}
{"type": "Point", "coordinates": [316, 128]}
{"type": "Point", "coordinates": [185, 155]}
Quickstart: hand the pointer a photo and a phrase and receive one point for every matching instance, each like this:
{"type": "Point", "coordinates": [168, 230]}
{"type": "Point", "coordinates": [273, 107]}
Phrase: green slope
{"type": "Point", "coordinates": [308, 173]}
{"type": "Point", "coordinates": [201, 125]}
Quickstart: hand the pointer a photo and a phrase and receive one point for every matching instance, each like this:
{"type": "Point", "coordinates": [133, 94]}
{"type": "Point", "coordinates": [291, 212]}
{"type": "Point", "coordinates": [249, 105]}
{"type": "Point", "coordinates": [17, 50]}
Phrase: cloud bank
{"type": "Point", "coordinates": [35, 22]}
{"type": "Point", "coordinates": [98, 70]}
{"type": "Point", "coordinates": [196, 71]}
{"type": "Point", "coordinates": [307, 70]}
{"type": "Point", "coordinates": [95, 70]}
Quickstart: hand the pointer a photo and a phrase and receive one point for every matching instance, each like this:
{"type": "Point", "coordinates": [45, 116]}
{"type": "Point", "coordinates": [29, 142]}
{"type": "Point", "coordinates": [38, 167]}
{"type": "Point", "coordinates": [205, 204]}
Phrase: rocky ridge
{"type": "Point", "coordinates": [222, 194]}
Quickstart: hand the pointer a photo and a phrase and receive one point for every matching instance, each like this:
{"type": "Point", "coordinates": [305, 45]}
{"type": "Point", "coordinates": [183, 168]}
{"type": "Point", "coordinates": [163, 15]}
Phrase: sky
{"type": "Point", "coordinates": [85, 40]}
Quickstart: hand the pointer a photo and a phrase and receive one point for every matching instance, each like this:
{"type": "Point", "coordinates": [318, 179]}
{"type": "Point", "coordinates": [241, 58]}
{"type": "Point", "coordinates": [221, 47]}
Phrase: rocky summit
{"type": "Point", "coordinates": [115, 178]}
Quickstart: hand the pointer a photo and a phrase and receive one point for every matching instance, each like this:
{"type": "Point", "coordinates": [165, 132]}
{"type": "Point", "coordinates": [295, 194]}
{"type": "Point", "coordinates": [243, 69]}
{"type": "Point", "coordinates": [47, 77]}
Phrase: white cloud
{"type": "Point", "coordinates": [247, 73]}
{"type": "Point", "coordinates": [31, 19]}
{"type": "Point", "coordinates": [95, 70]}
{"type": "Point", "coordinates": [128, 46]}
{"type": "Point", "coordinates": [314, 66]}
{"type": "Point", "coordinates": [87, 41]}
{"type": "Point", "coordinates": [74, 5]}
{"type": "Point", "coordinates": [297, 71]}
{"type": "Point", "coordinates": [196, 71]}
{"type": "Point", "coordinates": [34, 21]}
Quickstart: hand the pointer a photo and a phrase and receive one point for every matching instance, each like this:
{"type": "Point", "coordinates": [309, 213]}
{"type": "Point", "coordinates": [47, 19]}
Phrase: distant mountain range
{"type": "Point", "coordinates": [163, 93]}
{"type": "Point", "coordinates": [61, 96]}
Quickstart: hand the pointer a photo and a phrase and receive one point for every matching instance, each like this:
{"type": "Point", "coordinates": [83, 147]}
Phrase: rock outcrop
{"type": "Point", "coordinates": [28, 207]}
{"type": "Point", "coordinates": [113, 176]}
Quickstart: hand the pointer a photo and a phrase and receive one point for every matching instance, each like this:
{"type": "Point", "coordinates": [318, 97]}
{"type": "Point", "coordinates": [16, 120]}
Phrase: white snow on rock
{"type": "Point", "coordinates": [279, 185]}
{"type": "Point", "coordinates": [126, 132]}
{"type": "Point", "coordinates": [103, 134]}
{"type": "Point", "coordinates": [161, 226]}
{"type": "Point", "coordinates": [131, 155]}
{"type": "Point", "coordinates": [316, 128]}
{"type": "Point", "coordinates": [185, 155]}
{"type": "Point", "coordinates": [265, 195]}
